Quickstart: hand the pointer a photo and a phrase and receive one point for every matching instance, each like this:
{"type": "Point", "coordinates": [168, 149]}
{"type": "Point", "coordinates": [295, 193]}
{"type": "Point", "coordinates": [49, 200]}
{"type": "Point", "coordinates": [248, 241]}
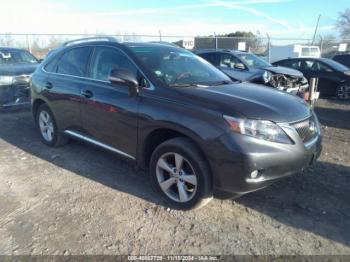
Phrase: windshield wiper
{"type": "Point", "coordinates": [219, 83]}
{"type": "Point", "coordinates": [187, 85]}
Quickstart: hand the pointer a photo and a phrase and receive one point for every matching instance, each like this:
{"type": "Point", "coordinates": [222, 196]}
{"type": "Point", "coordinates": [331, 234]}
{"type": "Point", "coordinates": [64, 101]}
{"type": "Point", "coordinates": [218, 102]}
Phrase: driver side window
{"type": "Point", "coordinates": [228, 61]}
{"type": "Point", "coordinates": [106, 59]}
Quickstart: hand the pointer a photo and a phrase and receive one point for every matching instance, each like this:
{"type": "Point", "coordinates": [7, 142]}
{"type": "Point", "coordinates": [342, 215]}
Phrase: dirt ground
{"type": "Point", "coordinates": [80, 200]}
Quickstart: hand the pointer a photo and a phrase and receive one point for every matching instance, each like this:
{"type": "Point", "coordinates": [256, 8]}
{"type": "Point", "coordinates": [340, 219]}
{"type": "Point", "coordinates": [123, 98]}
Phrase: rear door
{"type": "Point", "coordinates": [63, 86]}
{"type": "Point", "coordinates": [109, 114]}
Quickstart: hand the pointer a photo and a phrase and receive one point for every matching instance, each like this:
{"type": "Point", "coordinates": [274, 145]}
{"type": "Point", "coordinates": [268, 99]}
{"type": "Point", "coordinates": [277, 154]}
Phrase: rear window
{"type": "Point", "coordinates": [211, 57]}
{"type": "Point", "coordinates": [74, 62]}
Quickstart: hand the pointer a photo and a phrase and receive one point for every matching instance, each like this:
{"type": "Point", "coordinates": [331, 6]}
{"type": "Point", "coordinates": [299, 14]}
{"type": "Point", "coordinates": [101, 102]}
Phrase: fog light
{"type": "Point", "coordinates": [254, 174]}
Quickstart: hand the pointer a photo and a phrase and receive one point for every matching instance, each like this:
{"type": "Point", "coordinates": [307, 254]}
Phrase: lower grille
{"type": "Point", "coordinates": [307, 129]}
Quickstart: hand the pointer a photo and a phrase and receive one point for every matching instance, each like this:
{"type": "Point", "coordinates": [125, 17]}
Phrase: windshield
{"type": "Point", "coordinates": [177, 67]}
{"type": "Point", "coordinates": [253, 61]}
{"type": "Point", "coordinates": [16, 56]}
{"type": "Point", "coordinates": [335, 65]}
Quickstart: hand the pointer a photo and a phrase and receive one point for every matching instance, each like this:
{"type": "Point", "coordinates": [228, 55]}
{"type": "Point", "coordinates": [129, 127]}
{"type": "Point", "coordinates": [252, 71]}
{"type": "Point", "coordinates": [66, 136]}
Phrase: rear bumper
{"type": "Point", "coordinates": [240, 156]}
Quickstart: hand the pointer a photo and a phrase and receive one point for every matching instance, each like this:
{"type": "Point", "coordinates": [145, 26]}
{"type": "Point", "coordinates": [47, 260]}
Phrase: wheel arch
{"type": "Point", "coordinates": [162, 134]}
{"type": "Point", "coordinates": [35, 106]}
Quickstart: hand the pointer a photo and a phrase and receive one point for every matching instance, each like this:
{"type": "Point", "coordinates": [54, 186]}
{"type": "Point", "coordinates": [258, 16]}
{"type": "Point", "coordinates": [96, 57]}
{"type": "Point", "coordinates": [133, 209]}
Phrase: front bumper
{"type": "Point", "coordinates": [239, 156]}
{"type": "Point", "coordinates": [14, 95]}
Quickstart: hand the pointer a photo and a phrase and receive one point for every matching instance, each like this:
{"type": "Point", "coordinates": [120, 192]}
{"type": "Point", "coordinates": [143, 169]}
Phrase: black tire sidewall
{"type": "Point", "coordinates": [45, 108]}
{"type": "Point", "coordinates": [197, 163]}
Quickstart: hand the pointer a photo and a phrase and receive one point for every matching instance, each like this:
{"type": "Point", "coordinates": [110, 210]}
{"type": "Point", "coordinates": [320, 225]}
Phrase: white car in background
{"type": "Point", "coordinates": [278, 53]}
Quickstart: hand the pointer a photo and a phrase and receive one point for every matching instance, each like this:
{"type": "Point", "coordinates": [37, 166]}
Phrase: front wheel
{"type": "Point", "coordinates": [343, 92]}
{"type": "Point", "coordinates": [181, 174]}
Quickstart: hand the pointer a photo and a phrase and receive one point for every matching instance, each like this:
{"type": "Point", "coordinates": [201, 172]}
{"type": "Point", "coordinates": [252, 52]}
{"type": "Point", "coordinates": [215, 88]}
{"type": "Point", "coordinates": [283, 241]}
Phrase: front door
{"type": "Point", "coordinates": [109, 114]}
{"type": "Point", "coordinates": [326, 77]}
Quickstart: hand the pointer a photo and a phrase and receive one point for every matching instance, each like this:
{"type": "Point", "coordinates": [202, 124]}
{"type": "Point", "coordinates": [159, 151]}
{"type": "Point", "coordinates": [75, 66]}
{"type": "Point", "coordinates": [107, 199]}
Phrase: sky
{"type": "Point", "coordinates": [278, 18]}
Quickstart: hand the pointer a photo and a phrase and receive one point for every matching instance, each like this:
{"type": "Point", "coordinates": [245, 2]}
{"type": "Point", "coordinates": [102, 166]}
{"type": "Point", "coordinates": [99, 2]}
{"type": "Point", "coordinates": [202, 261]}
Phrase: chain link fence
{"type": "Point", "coordinates": [41, 44]}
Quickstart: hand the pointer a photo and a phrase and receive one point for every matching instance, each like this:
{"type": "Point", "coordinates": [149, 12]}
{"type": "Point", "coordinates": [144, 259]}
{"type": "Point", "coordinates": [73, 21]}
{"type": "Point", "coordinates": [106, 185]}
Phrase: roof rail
{"type": "Point", "coordinates": [88, 39]}
{"type": "Point", "coordinates": [164, 43]}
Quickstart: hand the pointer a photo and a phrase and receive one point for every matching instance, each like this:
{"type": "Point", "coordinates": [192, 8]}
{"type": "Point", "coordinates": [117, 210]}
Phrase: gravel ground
{"type": "Point", "coordinates": [80, 200]}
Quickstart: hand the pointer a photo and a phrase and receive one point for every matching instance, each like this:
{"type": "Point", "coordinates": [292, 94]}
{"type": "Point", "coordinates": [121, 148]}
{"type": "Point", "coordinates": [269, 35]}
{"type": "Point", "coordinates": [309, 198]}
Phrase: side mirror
{"type": "Point", "coordinates": [240, 66]}
{"type": "Point", "coordinates": [126, 78]}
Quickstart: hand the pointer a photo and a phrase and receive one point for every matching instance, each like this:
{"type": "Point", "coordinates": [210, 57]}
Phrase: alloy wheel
{"type": "Point", "coordinates": [46, 126]}
{"type": "Point", "coordinates": [343, 92]}
{"type": "Point", "coordinates": [176, 177]}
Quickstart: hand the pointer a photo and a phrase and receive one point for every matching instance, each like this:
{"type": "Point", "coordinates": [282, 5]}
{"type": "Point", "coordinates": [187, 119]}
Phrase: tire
{"type": "Point", "coordinates": [46, 121]}
{"type": "Point", "coordinates": [343, 92]}
{"type": "Point", "coordinates": [188, 181]}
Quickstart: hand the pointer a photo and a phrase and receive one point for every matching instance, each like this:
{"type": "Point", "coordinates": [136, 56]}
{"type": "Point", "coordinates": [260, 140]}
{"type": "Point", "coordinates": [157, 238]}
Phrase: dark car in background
{"type": "Point", "coordinates": [245, 66]}
{"type": "Point", "coordinates": [343, 59]}
{"type": "Point", "coordinates": [16, 68]}
{"type": "Point", "coordinates": [198, 133]}
{"type": "Point", "coordinates": [333, 77]}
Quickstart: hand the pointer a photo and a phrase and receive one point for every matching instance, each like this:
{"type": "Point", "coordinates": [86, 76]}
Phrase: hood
{"type": "Point", "coordinates": [17, 69]}
{"type": "Point", "coordinates": [284, 71]}
{"type": "Point", "coordinates": [250, 101]}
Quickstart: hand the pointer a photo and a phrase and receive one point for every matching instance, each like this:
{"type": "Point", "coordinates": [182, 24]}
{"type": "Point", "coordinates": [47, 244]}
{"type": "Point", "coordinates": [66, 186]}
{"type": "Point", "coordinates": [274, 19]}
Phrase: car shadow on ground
{"type": "Point", "coordinates": [317, 201]}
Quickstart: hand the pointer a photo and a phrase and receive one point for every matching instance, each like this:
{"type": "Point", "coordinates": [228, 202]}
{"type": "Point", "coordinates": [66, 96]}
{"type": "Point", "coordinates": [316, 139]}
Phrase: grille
{"type": "Point", "coordinates": [307, 129]}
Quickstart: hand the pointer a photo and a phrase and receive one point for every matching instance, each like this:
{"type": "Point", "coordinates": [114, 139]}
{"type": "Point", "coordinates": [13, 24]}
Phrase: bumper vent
{"type": "Point", "coordinates": [307, 129]}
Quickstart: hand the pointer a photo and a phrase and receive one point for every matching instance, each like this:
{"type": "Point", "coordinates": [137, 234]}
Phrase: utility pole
{"type": "Point", "coordinates": [318, 21]}
{"type": "Point", "coordinates": [216, 41]}
{"type": "Point", "coordinates": [160, 36]}
{"type": "Point", "coordinates": [268, 48]}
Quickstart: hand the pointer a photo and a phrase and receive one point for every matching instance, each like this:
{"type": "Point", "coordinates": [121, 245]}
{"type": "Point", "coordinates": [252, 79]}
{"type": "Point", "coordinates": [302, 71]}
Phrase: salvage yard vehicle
{"type": "Point", "coordinates": [333, 77]}
{"type": "Point", "coordinates": [16, 67]}
{"type": "Point", "coordinates": [169, 111]}
{"type": "Point", "coordinates": [245, 66]}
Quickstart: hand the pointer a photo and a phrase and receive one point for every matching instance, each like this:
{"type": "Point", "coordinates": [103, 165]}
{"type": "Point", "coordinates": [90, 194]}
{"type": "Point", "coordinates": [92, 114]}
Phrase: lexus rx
{"type": "Point", "coordinates": [199, 134]}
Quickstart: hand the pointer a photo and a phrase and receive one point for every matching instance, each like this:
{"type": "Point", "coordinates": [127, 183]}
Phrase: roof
{"type": "Point", "coordinates": [149, 44]}
{"type": "Point", "coordinates": [4, 48]}
{"type": "Point", "coordinates": [200, 51]}
{"type": "Point", "coordinates": [322, 59]}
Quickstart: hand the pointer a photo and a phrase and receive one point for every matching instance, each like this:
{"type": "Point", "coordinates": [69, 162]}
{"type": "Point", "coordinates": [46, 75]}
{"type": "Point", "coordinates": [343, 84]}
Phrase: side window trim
{"type": "Point", "coordinates": [57, 58]}
{"type": "Point", "coordinates": [69, 50]}
{"type": "Point", "coordinates": [92, 57]}
{"type": "Point", "coordinates": [150, 88]}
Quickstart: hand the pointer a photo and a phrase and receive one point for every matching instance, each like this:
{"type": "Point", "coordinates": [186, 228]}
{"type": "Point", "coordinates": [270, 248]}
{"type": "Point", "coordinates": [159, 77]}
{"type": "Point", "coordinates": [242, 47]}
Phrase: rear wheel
{"type": "Point", "coordinates": [343, 92]}
{"type": "Point", "coordinates": [48, 128]}
{"type": "Point", "coordinates": [180, 174]}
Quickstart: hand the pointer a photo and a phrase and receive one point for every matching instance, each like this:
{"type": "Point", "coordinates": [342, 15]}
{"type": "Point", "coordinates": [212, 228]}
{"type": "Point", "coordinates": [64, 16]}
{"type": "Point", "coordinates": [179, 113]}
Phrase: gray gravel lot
{"type": "Point", "coordinates": [80, 200]}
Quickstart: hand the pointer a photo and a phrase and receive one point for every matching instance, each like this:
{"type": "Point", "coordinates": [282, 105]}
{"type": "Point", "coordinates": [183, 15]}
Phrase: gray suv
{"type": "Point", "coordinates": [167, 110]}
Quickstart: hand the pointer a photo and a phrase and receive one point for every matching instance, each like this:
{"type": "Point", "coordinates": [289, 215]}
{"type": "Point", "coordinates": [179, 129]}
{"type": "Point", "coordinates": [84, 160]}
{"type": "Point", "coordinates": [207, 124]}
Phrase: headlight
{"type": "Point", "coordinates": [261, 129]}
{"type": "Point", "coordinates": [6, 80]}
{"type": "Point", "coordinates": [267, 76]}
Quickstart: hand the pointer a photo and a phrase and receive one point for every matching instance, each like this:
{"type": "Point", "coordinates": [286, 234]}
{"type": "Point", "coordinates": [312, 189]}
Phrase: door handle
{"type": "Point", "coordinates": [87, 93]}
{"type": "Point", "coordinates": [49, 85]}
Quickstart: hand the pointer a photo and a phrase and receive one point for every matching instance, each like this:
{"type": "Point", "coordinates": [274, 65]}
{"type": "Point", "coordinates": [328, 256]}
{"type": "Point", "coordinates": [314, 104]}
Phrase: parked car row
{"type": "Point", "coordinates": [199, 133]}
{"type": "Point", "coordinates": [291, 75]}
{"type": "Point", "coordinates": [333, 77]}
{"type": "Point", "coordinates": [248, 67]}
